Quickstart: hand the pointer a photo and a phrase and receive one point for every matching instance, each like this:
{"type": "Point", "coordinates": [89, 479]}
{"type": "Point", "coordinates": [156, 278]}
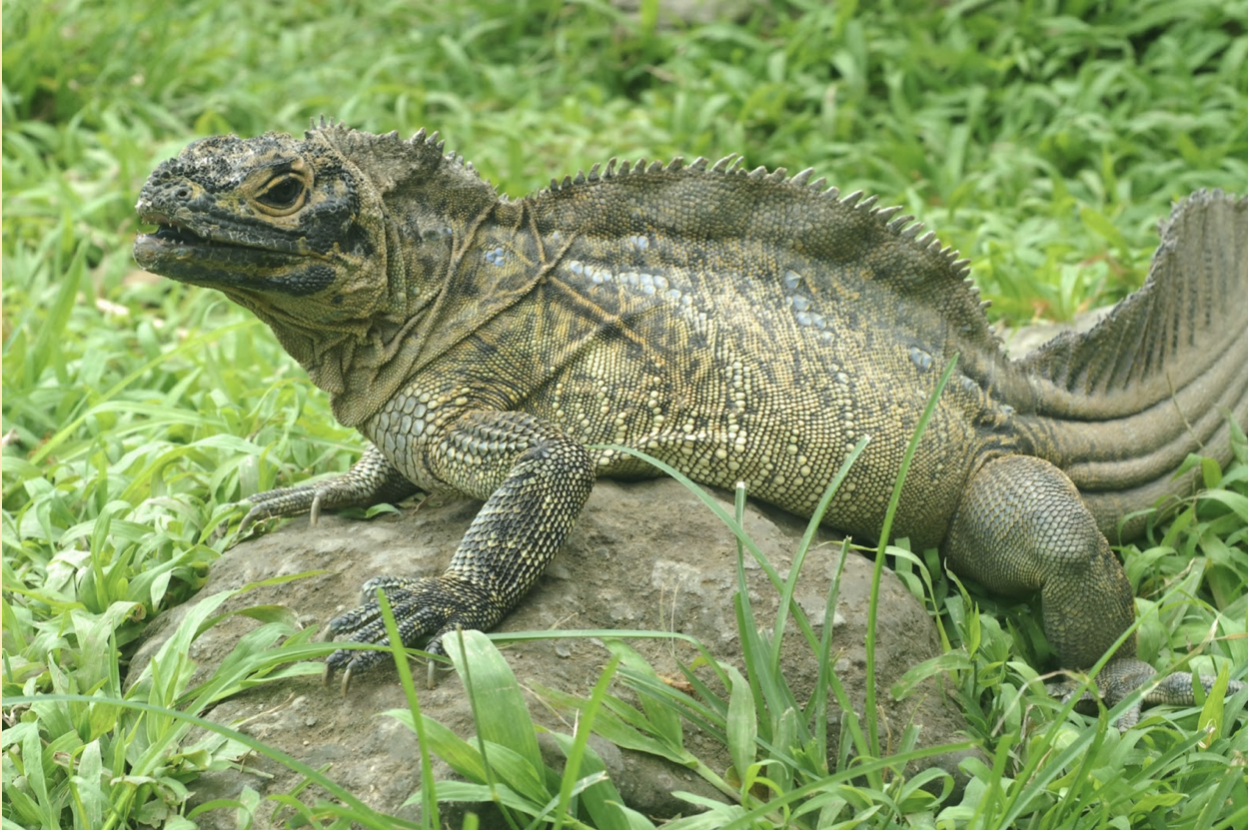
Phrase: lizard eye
{"type": "Point", "coordinates": [282, 194]}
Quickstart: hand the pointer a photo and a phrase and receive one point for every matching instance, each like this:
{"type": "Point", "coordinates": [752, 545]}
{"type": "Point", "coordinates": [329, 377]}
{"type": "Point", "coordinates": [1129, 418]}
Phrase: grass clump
{"type": "Point", "coordinates": [1043, 139]}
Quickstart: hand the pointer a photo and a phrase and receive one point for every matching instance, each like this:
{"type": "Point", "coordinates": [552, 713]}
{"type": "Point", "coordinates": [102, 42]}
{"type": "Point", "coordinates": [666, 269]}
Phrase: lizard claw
{"type": "Point", "coordinates": [255, 514]}
{"type": "Point", "coordinates": [331, 668]}
{"type": "Point", "coordinates": [344, 685]}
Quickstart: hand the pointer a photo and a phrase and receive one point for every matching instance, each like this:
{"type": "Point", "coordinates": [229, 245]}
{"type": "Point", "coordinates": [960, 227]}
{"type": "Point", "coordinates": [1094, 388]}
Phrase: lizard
{"type": "Point", "coordinates": [743, 326]}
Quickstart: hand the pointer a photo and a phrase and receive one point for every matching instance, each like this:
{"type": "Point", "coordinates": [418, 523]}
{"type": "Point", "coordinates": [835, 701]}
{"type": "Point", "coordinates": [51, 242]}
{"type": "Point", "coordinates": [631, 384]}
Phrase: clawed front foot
{"type": "Point", "coordinates": [284, 501]}
{"type": "Point", "coordinates": [537, 479]}
{"type": "Point", "coordinates": [1121, 677]}
{"type": "Point", "coordinates": [422, 608]}
{"type": "Point", "coordinates": [371, 480]}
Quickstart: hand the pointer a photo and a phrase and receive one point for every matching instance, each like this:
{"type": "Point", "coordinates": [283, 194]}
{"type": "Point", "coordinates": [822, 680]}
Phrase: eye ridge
{"type": "Point", "coordinates": [282, 193]}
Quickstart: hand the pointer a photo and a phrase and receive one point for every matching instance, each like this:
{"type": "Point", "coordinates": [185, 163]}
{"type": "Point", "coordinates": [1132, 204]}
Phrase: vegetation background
{"type": "Point", "coordinates": [1044, 139]}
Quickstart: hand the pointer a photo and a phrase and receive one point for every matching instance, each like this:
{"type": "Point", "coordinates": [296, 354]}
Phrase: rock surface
{"type": "Point", "coordinates": [1024, 340]}
{"type": "Point", "coordinates": [644, 555]}
{"type": "Point", "coordinates": [693, 12]}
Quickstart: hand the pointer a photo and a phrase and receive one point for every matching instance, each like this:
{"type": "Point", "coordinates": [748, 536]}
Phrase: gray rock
{"type": "Point", "coordinates": [693, 12]}
{"type": "Point", "coordinates": [1024, 340]}
{"type": "Point", "coordinates": [643, 555]}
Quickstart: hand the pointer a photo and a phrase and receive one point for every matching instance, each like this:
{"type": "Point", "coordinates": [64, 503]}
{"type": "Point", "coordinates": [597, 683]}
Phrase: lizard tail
{"type": "Point", "coordinates": [1155, 381]}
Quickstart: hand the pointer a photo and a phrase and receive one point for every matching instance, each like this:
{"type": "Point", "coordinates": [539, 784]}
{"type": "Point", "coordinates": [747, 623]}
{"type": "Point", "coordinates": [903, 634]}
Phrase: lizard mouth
{"type": "Point", "coordinates": [178, 235]}
{"type": "Point", "coordinates": [176, 243]}
{"type": "Point", "coordinates": [177, 251]}
{"type": "Point", "coordinates": [173, 235]}
{"type": "Point", "coordinates": [171, 232]}
{"type": "Point", "coordinates": [212, 256]}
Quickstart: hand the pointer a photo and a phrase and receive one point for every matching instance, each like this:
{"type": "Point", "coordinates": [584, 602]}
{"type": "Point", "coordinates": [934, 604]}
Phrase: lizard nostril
{"type": "Point", "coordinates": [182, 192]}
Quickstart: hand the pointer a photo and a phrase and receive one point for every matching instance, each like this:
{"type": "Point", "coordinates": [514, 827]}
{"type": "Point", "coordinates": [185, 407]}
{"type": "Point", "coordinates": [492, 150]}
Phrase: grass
{"type": "Point", "coordinates": [1042, 139]}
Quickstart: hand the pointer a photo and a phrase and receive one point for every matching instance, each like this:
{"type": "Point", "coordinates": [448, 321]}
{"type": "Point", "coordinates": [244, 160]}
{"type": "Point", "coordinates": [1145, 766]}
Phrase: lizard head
{"type": "Point", "coordinates": [339, 240]}
{"type": "Point", "coordinates": [276, 223]}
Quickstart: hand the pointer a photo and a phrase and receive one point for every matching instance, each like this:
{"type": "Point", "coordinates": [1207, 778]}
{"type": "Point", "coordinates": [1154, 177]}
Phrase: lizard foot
{"type": "Point", "coordinates": [1121, 677]}
{"type": "Point", "coordinates": [423, 608]}
{"type": "Point", "coordinates": [371, 480]}
{"type": "Point", "coordinates": [284, 501]}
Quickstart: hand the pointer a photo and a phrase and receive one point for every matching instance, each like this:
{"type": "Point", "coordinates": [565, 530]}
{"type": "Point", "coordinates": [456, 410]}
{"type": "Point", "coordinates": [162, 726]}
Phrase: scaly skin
{"type": "Point", "coordinates": [741, 327]}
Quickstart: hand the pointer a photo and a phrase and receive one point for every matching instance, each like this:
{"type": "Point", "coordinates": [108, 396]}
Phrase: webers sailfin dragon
{"type": "Point", "coordinates": [741, 326]}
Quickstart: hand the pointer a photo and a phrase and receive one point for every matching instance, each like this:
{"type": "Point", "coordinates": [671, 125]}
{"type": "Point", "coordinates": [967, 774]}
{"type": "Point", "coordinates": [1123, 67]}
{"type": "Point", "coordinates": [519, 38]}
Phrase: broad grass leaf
{"type": "Point", "coordinates": [499, 707]}
{"type": "Point", "coordinates": [742, 726]}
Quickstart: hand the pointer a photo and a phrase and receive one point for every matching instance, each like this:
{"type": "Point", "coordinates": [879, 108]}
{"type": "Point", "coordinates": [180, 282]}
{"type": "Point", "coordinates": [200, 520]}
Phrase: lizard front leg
{"type": "Point", "coordinates": [371, 480]}
{"type": "Point", "coordinates": [535, 480]}
{"type": "Point", "coordinates": [1022, 528]}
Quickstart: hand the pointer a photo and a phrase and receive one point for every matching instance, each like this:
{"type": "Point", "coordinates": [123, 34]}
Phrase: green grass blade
{"type": "Point", "coordinates": [429, 799]}
{"type": "Point", "coordinates": [742, 723]}
{"type": "Point", "coordinates": [893, 502]}
{"type": "Point", "coordinates": [498, 707]}
{"type": "Point", "coordinates": [354, 808]}
{"type": "Point", "coordinates": [808, 538]}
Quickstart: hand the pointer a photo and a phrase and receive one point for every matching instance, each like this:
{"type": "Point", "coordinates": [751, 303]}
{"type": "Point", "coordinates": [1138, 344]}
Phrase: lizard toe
{"type": "Point", "coordinates": [351, 662]}
{"type": "Point", "coordinates": [1064, 690]}
{"type": "Point", "coordinates": [1177, 689]}
{"type": "Point", "coordinates": [1123, 676]}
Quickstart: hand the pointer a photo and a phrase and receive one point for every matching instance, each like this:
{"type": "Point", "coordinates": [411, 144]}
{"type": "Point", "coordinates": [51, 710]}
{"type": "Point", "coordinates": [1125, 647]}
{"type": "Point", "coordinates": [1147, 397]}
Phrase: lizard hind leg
{"type": "Point", "coordinates": [1022, 528]}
